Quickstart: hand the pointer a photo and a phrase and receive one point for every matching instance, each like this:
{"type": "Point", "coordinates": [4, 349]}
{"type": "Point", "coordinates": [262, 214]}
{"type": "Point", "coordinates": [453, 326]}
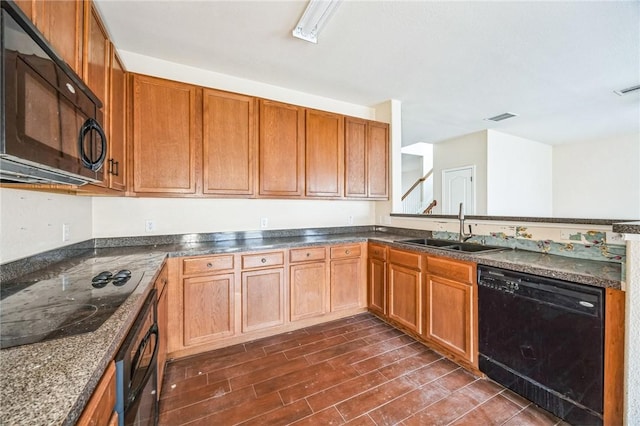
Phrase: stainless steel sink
{"type": "Point", "coordinates": [452, 245]}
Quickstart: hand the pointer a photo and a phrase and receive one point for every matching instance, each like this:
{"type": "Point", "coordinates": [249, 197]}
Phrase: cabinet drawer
{"type": "Point", "coordinates": [203, 265]}
{"type": "Point", "coordinates": [345, 251]}
{"type": "Point", "coordinates": [405, 258]}
{"type": "Point", "coordinates": [377, 252]}
{"type": "Point", "coordinates": [452, 269]}
{"type": "Point", "coordinates": [260, 260]}
{"type": "Point", "coordinates": [307, 254]}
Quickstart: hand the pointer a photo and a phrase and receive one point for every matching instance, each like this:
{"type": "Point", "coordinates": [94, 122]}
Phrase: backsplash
{"type": "Point", "coordinates": [590, 245]}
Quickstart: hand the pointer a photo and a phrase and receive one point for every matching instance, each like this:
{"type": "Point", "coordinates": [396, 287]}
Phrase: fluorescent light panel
{"type": "Point", "coordinates": [626, 91]}
{"type": "Point", "coordinates": [501, 117]}
{"type": "Point", "coordinates": [314, 19]}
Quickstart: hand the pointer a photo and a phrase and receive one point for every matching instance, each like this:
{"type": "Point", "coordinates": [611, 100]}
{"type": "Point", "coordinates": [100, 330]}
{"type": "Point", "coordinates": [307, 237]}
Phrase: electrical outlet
{"type": "Point", "coordinates": [66, 232]}
{"type": "Point", "coordinates": [350, 220]}
{"type": "Point", "coordinates": [149, 225]}
{"type": "Point", "coordinates": [264, 222]}
{"type": "Point", "coordinates": [615, 238]}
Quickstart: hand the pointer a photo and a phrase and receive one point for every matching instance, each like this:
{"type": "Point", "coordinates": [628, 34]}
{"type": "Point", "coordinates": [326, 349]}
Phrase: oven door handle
{"type": "Point", "coordinates": [138, 357]}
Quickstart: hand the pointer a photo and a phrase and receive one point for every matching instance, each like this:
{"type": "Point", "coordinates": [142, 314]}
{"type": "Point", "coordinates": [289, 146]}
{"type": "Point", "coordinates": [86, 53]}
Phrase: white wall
{"type": "Point", "coordinates": [32, 222]}
{"type": "Point", "coordinates": [598, 179]}
{"type": "Point", "coordinates": [632, 332]}
{"type": "Point", "coordinates": [467, 150]}
{"type": "Point", "coordinates": [135, 62]}
{"type": "Point", "coordinates": [519, 175]}
{"type": "Point", "coordinates": [115, 217]}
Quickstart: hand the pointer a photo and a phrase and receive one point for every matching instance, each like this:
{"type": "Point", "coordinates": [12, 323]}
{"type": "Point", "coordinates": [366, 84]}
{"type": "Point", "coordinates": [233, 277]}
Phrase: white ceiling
{"type": "Point", "coordinates": [451, 64]}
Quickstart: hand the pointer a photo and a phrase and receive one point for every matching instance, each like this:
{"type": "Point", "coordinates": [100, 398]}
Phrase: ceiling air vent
{"type": "Point", "coordinates": [626, 91]}
{"type": "Point", "coordinates": [501, 117]}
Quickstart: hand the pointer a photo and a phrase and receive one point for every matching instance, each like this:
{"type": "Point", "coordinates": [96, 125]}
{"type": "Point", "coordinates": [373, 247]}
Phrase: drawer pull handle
{"type": "Point", "coordinates": [347, 252]}
{"type": "Point", "coordinates": [263, 260]}
{"type": "Point", "coordinates": [209, 265]}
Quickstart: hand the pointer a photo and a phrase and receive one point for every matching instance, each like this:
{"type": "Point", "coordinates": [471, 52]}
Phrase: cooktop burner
{"type": "Point", "coordinates": [77, 301]}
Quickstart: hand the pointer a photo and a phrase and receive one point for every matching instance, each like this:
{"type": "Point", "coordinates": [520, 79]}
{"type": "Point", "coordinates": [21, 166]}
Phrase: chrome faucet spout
{"type": "Point", "coordinates": [463, 236]}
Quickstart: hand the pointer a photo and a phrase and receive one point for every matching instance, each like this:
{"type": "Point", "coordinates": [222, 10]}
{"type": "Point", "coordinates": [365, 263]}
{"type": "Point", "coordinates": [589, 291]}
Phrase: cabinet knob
{"type": "Point", "coordinates": [263, 260]}
{"type": "Point", "coordinates": [347, 251]}
{"type": "Point", "coordinates": [308, 254]}
{"type": "Point", "coordinates": [209, 265]}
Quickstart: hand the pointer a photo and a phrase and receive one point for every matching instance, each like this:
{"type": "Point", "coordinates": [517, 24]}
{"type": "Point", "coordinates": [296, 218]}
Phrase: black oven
{"type": "Point", "coordinates": [51, 122]}
{"type": "Point", "coordinates": [136, 369]}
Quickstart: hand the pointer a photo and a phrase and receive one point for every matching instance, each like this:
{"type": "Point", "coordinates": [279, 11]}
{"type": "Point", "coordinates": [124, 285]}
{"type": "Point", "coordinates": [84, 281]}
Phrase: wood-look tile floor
{"type": "Point", "coordinates": [357, 371]}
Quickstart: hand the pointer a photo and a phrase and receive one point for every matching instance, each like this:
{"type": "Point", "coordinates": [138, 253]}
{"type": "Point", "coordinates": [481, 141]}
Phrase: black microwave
{"type": "Point", "coordinates": [51, 121]}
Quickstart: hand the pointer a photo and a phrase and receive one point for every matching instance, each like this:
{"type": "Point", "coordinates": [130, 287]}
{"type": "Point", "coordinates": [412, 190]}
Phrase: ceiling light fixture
{"type": "Point", "coordinates": [314, 19]}
{"type": "Point", "coordinates": [501, 117]}
{"type": "Point", "coordinates": [626, 91]}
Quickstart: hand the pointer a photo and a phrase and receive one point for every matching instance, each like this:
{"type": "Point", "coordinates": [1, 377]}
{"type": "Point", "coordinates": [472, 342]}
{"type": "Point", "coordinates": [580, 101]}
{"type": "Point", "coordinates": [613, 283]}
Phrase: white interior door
{"type": "Point", "coordinates": [458, 186]}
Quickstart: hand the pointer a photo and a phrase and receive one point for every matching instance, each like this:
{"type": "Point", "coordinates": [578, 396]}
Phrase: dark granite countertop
{"type": "Point", "coordinates": [627, 227]}
{"type": "Point", "coordinates": [49, 383]}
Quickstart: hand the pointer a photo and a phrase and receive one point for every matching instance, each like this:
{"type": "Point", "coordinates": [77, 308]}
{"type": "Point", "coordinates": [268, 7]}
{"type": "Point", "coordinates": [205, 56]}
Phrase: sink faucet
{"type": "Point", "coordinates": [463, 236]}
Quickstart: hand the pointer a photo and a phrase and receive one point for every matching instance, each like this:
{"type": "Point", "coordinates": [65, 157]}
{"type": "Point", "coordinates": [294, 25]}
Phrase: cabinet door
{"type": "Point", "coordinates": [308, 284]}
{"type": "Point", "coordinates": [346, 279]}
{"type": "Point", "coordinates": [355, 157]}
{"type": "Point", "coordinates": [208, 308]}
{"type": "Point", "coordinates": [378, 160]}
{"type": "Point", "coordinates": [262, 299]}
{"type": "Point", "coordinates": [449, 316]}
{"type": "Point", "coordinates": [61, 22]}
{"type": "Point", "coordinates": [116, 164]}
{"type": "Point", "coordinates": [166, 119]}
{"type": "Point", "coordinates": [96, 56]}
{"type": "Point", "coordinates": [229, 143]}
{"type": "Point", "coordinates": [102, 404]}
{"type": "Point", "coordinates": [281, 149]}
{"type": "Point", "coordinates": [405, 297]}
{"type": "Point", "coordinates": [324, 151]}
{"type": "Point", "coordinates": [163, 315]}
{"type": "Point", "coordinates": [378, 286]}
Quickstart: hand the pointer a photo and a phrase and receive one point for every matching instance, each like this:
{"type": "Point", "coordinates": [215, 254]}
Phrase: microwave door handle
{"type": "Point", "coordinates": [89, 163]}
{"type": "Point", "coordinates": [138, 357]}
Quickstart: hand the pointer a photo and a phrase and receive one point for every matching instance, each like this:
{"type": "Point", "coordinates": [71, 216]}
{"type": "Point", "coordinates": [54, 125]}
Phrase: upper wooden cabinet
{"type": "Point", "coordinates": [230, 136]}
{"type": "Point", "coordinates": [282, 152]}
{"type": "Point", "coordinates": [366, 159]}
{"type": "Point", "coordinates": [166, 135]}
{"type": "Point", "coordinates": [324, 154]}
{"type": "Point", "coordinates": [62, 24]}
{"type": "Point", "coordinates": [116, 162]}
{"type": "Point", "coordinates": [96, 54]}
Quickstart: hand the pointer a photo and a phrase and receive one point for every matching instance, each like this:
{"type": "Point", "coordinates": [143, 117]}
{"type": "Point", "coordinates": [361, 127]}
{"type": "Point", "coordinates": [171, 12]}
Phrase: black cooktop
{"type": "Point", "coordinates": [77, 301]}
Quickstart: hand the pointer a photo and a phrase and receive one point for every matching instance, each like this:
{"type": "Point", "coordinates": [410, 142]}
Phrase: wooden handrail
{"type": "Point", "coordinates": [430, 207]}
{"type": "Point", "coordinates": [416, 183]}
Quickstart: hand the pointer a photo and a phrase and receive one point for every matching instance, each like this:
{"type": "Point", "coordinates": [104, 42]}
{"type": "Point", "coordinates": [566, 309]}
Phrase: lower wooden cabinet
{"type": "Point", "coordinates": [432, 297]}
{"type": "Point", "coordinates": [405, 289]}
{"type": "Point", "coordinates": [346, 277]}
{"type": "Point", "coordinates": [262, 299]}
{"type": "Point", "coordinates": [377, 279]}
{"type": "Point", "coordinates": [224, 299]}
{"type": "Point", "coordinates": [308, 283]}
{"type": "Point", "coordinates": [451, 308]}
{"type": "Point", "coordinates": [100, 410]}
{"type": "Point", "coordinates": [209, 308]}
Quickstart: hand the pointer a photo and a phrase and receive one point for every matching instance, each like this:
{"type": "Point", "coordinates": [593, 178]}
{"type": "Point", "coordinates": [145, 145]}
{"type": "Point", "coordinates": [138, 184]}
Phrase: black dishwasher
{"type": "Point", "coordinates": [544, 339]}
